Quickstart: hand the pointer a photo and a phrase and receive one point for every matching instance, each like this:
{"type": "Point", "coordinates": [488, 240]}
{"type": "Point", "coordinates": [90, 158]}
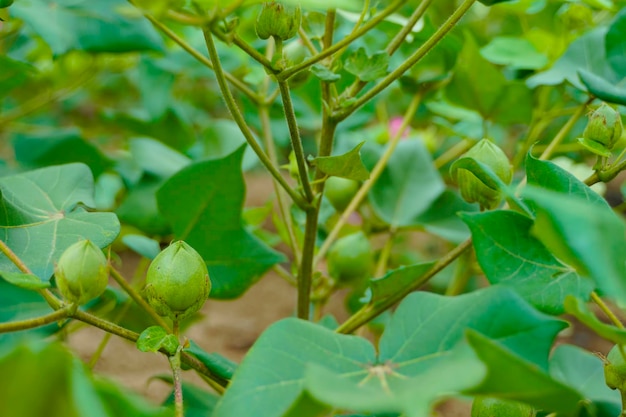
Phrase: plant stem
{"type": "Point", "coordinates": [288, 72]}
{"type": "Point", "coordinates": [296, 141]}
{"type": "Point", "coordinates": [560, 136]}
{"type": "Point", "coordinates": [178, 386]}
{"type": "Point", "coordinates": [371, 311]}
{"type": "Point", "coordinates": [409, 62]}
{"type": "Point", "coordinates": [383, 259]}
{"type": "Point", "coordinates": [453, 153]}
{"type": "Point", "coordinates": [462, 274]}
{"type": "Point", "coordinates": [239, 119]}
{"type": "Point", "coordinates": [305, 272]}
{"type": "Point", "coordinates": [175, 364]}
{"type": "Point", "coordinates": [201, 58]}
{"type": "Point", "coordinates": [367, 185]}
{"type": "Point", "coordinates": [606, 310]}
{"type": "Point", "coordinates": [26, 324]}
{"type": "Point", "coordinates": [417, 14]}
{"type": "Point", "coordinates": [138, 298]}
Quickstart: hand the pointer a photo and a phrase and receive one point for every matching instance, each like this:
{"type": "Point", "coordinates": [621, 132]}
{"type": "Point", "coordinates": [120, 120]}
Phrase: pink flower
{"type": "Point", "coordinates": [394, 127]}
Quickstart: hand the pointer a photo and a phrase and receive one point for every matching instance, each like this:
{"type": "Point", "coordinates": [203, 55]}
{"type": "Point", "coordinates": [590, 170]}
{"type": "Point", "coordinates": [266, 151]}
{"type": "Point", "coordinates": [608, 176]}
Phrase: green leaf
{"type": "Point", "coordinates": [367, 67]}
{"type": "Point", "coordinates": [584, 372]}
{"type": "Point", "coordinates": [67, 25]}
{"type": "Point", "coordinates": [518, 53]}
{"type": "Point", "coordinates": [587, 236]}
{"type": "Point", "coordinates": [408, 185]}
{"type": "Point", "coordinates": [271, 376]}
{"type": "Point", "coordinates": [42, 214]}
{"type": "Point", "coordinates": [155, 338]}
{"type": "Point", "coordinates": [218, 364]}
{"type": "Point", "coordinates": [397, 279]}
{"type": "Point", "coordinates": [420, 356]}
{"type": "Point", "coordinates": [382, 389]}
{"type": "Point", "coordinates": [549, 175]}
{"type": "Point", "coordinates": [68, 389]}
{"type": "Point", "coordinates": [144, 246]}
{"type": "Point", "coordinates": [515, 378]}
{"type": "Point", "coordinates": [324, 73]}
{"type": "Point", "coordinates": [197, 402]}
{"type": "Point", "coordinates": [347, 165]}
{"type": "Point", "coordinates": [579, 309]}
{"type": "Point", "coordinates": [616, 44]}
{"type": "Point", "coordinates": [203, 202]}
{"type": "Point", "coordinates": [509, 255]}
{"type": "Point", "coordinates": [139, 208]}
{"type": "Point", "coordinates": [441, 218]}
{"type": "Point", "coordinates": [221, 138]}
{"type": "Point", "coordinates": [22, 280]}
{"type": "Point", "coordinates": [603, 89]}
{"type": "Point", "coordinates": [157, 158]}
{"type": "Point", "coordinates": [476, 83]}
{"type": "Point", "coordinates": [585, 53]}
{"type": "Point", "coordinates": [58, 147]}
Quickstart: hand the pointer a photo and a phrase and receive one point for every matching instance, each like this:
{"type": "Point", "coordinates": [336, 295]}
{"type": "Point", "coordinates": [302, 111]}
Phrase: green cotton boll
{"type": "Point", "coordinates": [473, 190]}
{"type": "Point", "coordinates": [340, 191]}
{"type": "Point", "coordinates": [177, 281]}
{"type": "Point", "coordinates": [615, 370]}
{"type": "Point", "coordinates": [351, 258]}
{"type": "Point", "coordinates": [603, 130]}
{"type": "Point", "coordinates": [278, 20]}
{"type": "Point", "coordinates": [82, 272]}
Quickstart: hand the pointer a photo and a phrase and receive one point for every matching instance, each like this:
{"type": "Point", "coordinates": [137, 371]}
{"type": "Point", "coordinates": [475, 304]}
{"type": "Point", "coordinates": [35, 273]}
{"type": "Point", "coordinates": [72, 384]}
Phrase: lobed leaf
{"type": "Point", "coordinates": [42, 214]}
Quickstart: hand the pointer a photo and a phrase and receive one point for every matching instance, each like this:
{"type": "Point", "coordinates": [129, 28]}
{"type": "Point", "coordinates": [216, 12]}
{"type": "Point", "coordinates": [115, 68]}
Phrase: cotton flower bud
{"type": "Point", "coordinates": [82, 272]}
{"type": "Point", "coordinates": [177, 281]}
{"type": "Point", "coordinates": [278, 20]}
{"type": "Point", "coordinates": [603, 130]}
{"type": "Point", "coordinates": [474, 190]}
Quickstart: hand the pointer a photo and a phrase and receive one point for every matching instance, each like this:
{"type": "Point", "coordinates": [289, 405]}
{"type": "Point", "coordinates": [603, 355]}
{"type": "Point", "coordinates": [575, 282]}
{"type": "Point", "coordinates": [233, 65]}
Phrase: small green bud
{"type": "Point", "coordinates": [351, 258]}
{"type": "Point", "coordinates": [494, 407]}
{"type": "Point", "coordinates": [278, 20]}
{"type": "Point", "coordinates": [473, 190]}
{"type": "Point", "coordinates": [82, 272]}
{"type": "Point", "coordinates": [603, 130]}
{"type": "Point", "coordinates": [340, 191]}
{"type": "Point", "coordinates": [5, 3]}
{"type": "Point", "coordinates": [615, 370]}
{"type": "Point", "coordinates": [177, 281]}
